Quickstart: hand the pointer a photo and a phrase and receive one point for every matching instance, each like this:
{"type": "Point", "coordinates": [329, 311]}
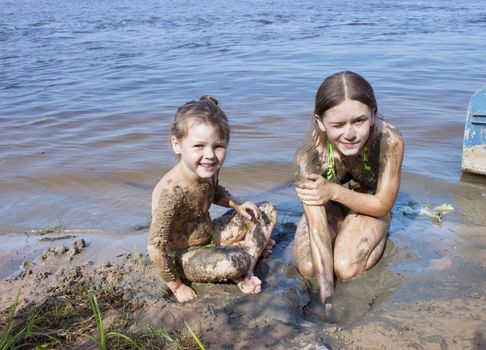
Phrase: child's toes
{"type": "Point", "coordinates": [250, 285]}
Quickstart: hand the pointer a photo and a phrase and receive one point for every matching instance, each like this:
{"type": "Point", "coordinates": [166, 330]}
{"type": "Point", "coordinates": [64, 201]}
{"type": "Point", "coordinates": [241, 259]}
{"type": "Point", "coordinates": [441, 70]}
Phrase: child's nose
{"type": "Point", "coordinates": [349, 133]}
{"type": "Point", "coordinates": [209, 153]}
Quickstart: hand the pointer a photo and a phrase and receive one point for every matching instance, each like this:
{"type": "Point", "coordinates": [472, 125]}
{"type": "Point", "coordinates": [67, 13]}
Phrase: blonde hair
{"type": "Point", "coordinates": [207, 111]}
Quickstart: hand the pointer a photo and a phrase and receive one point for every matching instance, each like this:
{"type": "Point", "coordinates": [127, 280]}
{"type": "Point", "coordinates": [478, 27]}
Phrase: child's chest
{"type": "Point", "coordinates": [358, 174]}
{"type": "Point", "coordinates": [202, 196]}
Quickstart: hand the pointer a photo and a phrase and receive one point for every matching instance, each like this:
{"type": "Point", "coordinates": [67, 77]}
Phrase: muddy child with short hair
{"type": "Point", "coordinates": [185, 244]}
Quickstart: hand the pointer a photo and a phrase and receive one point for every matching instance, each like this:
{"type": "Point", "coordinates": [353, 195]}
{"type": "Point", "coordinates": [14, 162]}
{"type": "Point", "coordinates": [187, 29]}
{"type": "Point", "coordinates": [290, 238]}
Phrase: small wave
{"type": "Point", "coordinates": [190, 46]}
{"type": "Point", "coordinates": [262, 21]}
{"type": "Point", "coordinates": [480, 20]}
{"type": "Point", "coordinates": [359, 23]}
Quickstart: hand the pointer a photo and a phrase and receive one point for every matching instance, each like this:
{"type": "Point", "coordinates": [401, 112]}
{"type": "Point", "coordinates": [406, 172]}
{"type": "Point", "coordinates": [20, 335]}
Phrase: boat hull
{"type": "Point", "coordinates": [474, 146]}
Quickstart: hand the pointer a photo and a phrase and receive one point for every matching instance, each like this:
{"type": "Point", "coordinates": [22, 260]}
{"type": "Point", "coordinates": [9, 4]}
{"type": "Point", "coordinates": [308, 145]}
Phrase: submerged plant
{"type": "Point", "coordinates": [58, 227]}
{"type": "Point", "coordinates": [427, 209]}
{"type": "Point", "coordinates": [139, 257]}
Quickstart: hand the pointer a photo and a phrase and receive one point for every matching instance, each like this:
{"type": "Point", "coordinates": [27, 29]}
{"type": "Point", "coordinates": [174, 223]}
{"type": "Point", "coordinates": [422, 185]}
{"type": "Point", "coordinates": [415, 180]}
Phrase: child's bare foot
{"type": "Point", "coordinates": [250, 285]}
{"type": "Point", "coordinates": [267, 251]}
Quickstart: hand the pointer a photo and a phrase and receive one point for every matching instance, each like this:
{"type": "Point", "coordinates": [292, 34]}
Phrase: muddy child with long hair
{"type": "Point", "coordinates": [348, 179]}
{"type": "Point", "coordinates": [185, 244]}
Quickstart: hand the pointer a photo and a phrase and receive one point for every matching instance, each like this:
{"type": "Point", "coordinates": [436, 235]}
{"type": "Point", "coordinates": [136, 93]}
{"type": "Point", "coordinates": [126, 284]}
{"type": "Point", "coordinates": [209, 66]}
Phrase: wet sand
{"type": "Point", "coordinates": [427, 292]}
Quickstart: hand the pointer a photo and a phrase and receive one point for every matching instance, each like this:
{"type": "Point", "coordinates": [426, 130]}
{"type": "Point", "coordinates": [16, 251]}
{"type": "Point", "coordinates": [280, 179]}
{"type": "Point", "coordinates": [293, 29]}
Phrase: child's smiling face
{"type": "Point", "coordinates": [202, 151]}
{"type": "Point", "coordinates": [347, 126]}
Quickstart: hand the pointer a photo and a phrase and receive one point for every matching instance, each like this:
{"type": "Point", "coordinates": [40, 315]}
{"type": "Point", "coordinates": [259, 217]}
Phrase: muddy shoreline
{"type": "Point", "coordinates": [427, 292]}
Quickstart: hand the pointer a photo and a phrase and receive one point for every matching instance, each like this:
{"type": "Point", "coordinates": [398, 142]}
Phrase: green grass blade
{"type": "Point", "coordinates": [126, 338]}
{"type": "Point", "coordinates": [7, 340]}
{"type": "Point", "coordinates": [99, 322]}
{"type": "Point", "coordinates": [163, 334]}
{"type": "Point", "coordinates": [42, 347]}
{"type": "Point", "coordinates": [6, 344]}
{"type": "Point", "coordinates": [201, 346]}
{"type": "Point", "coordinates": [8, 326]}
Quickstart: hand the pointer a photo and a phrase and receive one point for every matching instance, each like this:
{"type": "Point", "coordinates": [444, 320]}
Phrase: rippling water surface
{"type": "Point", "coordinates": [87, 90]}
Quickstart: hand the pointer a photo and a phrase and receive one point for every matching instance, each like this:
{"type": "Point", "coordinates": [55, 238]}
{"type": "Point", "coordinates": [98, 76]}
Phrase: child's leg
{"type": "Point", "coordinates": [252, 237]}
{"type": "Point", "coordinates": [256, 239]}
{"type": "Point", "coordinates": [302, 249]}
{"type": "Point", "coordinates": [230, 228]}
{"type": "Point", "coordinates": [213, 264]}
{"type": "Point", "coordinates": [360, 244]}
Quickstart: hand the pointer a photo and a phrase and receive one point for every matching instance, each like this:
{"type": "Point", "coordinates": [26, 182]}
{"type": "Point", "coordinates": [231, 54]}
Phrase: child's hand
{"type": "Point", "coordinates": [314, 190]}
{"type": "Point", "coordinates": [248, 210]}
{"type": "Point", "coordinates": [184, 293]}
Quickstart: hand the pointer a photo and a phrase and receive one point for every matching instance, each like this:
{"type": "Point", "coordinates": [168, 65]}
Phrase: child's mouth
{"type": "Point", "coordinates": [208, 166]}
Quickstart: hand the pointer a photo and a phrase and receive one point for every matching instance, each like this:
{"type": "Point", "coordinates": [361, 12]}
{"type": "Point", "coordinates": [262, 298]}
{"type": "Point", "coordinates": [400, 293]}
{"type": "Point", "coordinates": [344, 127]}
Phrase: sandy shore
{"type": "Point", "coordinates": [427, 292]}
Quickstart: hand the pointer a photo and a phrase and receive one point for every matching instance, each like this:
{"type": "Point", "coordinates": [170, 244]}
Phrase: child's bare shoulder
{"type": "Point", "coordinates": [391, 135]}
{"type": "Point", "coordinates": [168, 189]}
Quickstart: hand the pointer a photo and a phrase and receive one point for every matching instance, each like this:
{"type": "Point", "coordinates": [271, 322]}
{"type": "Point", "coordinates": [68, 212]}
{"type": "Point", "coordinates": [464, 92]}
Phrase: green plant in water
{"type": "Point", "coordinates": [139, 258]}
{"type": "Point", "coordinates": [56, 228]}
{"type": "Point", "coordinates": [102, 337]}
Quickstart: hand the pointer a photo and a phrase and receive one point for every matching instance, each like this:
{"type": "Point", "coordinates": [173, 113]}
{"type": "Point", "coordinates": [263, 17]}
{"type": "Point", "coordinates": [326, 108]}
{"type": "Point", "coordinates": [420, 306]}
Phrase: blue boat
{"type": "Point", "coordinates": [474, 146]}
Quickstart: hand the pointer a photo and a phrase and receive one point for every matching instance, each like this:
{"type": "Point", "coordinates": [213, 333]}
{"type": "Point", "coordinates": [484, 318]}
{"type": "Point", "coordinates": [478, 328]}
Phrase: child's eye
{"type": "Point", "coordinates": [360, 121]}
{"type": "Point", "coordinates": [220, 146]}
{"type": "Point", "coordinates": [198, 146]}
{"type": "Point", "coordinates": [337, 126]}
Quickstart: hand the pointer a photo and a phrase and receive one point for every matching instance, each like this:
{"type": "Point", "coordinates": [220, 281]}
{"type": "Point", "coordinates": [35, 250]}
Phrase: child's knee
{"type": "Point", "coordinates": [216, 264]}
{"type": "Point", "coordinates": [268, 218]}
{"type": "Point", "coordinates": [238, 265]}
{"type": "Point", "coordinates": [233, 266]}
{"type": "Point", "coordinates": [345, 269]}
{"type": "Point", "coordinates": [267, 208]}
{"type": "Point", "coordinates": [306, 268]}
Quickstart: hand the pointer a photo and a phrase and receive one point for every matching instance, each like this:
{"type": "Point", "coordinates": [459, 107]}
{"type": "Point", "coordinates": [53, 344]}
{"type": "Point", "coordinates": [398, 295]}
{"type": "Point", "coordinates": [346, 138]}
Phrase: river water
{"type": "Point", "coordinates": [88, 89]}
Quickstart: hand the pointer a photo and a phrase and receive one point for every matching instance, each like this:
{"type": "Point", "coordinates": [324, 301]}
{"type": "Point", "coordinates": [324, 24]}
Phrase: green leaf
{"type": "Point", "coordinates": [126, 338]}
{"type": "Point", "coordinates": [201, 346]}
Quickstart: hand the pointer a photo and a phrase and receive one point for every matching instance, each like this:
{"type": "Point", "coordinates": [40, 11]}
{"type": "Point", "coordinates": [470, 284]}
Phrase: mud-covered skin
{"type": "Point", "coordinates": [232, 229]}
{"type": "Point", "coordinates": [213, 264]}
{"type": "Point", "coordinates": [220, 193]}
{"type": "Point", "coordinates": [181, 220]}
{"type": "Point", "coordinates": [350, 171]}
{"type": "Point", "coordinates": [238, 241]}
{"type": "Point", "coordinates": [350, 242]}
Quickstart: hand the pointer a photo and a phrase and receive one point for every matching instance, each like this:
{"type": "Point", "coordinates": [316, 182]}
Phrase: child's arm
{"type": "Point", "coordinates": [163, 223]}
{"type": "Point", "coordinates": [318, 191]}
{"type": "Point", "coordinates": [223, 198]}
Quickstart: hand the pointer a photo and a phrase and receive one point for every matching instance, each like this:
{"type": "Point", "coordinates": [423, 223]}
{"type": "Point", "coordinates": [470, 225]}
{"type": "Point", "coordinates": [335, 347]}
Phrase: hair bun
{"type": "Point", "coordinates": [210, 99]}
